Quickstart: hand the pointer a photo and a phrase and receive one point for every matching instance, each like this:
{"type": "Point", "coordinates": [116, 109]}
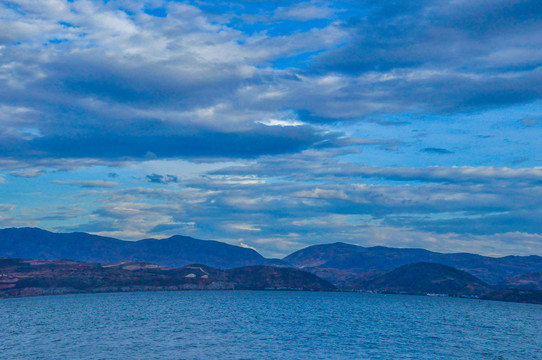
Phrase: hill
{"type": "Point", "coordinates": [425, 278]}
{"type": "Point", "coordinates": [176, 251]}
{"type": "Point", "coordinates": [337, 262]}
{"type": "Point", "coordinates": [50, 277]}
{"type": "Point", "coordinates": [528, 281]}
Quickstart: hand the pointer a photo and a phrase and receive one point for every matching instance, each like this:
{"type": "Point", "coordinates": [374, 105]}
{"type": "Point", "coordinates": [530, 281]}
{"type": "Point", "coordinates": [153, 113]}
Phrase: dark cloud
{"type": "Point", "coordinates": [139, 138]}
{"type": "Point", "coordinates": [446, 56]}
{"type": "Point", "coordinates": [162, 179]}
{"type": "Point", "coordinates": [140, 84]}
{"type": "Point", "coordinates": [403, 34]}
{"type": "Point", "coordinates": [432, 150]}
{"type": "Point", "coordinates": [120, 92]}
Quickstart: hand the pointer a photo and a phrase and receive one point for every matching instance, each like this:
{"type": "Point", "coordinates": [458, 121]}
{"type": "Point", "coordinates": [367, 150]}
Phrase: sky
{"type": "Point", "coordinates": [276, 125]}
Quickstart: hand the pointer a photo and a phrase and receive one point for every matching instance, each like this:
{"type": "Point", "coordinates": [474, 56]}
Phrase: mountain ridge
{"type": "Point", "coordinates": [175, 251]}
{"type": "Point", "coordinates": [339, 262]}
{"type": "Point", "coordinates": [380, 258]}
{"type": "Point", "coordinates": [527, 281]}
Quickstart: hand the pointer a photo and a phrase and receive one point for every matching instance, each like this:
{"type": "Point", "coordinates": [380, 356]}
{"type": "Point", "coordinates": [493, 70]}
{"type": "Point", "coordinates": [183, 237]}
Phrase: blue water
{"type": "Point", "coordinates": [266, 325]}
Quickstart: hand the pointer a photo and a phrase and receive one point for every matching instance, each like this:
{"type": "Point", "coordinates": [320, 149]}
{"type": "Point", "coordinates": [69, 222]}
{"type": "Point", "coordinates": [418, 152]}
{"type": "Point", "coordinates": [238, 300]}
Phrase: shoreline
{"type": "Point", "coordinates": [156, 289]}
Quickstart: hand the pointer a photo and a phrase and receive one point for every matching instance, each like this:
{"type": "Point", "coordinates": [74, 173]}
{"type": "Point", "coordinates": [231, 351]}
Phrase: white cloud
{"type": "Point", "coordinates": [28, 173]}
{"type": "Point", "coordinates": [245, 227]}
{"type": "Point", "coordinates": [304, 11]}
{"type": "Point", "coordinates": [247, 246]}
{"type": "Point", "coordinates": [87, 183]}
{"type": "Point", "coordinates": [281, 122]}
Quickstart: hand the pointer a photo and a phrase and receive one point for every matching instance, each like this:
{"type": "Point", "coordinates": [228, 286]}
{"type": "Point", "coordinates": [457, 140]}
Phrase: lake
{"type": "Point", "coordinates": [266, 325]}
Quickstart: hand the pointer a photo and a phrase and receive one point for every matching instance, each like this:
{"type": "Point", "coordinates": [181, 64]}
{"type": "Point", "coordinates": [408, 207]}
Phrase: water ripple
{"type": "Point", "coordinates": [267, 325]}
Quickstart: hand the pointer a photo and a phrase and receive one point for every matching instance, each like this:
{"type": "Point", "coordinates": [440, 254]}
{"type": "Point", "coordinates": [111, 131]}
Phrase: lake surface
{"type": "Point", "coordinates": [266, 325]}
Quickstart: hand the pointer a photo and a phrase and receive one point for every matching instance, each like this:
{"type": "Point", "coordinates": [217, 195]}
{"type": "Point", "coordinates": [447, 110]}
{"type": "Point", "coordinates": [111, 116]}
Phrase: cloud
{"type": "Point", "coordinates": [122, 83]}
{"type": "Point", "coordinates": [125, 112]}
{"type": "Point", "coordinates": [114, 82]}
{"type": "Point", "coordinates": [304, 11]}
{"type": "Point", "coordinates": [472, 174]}
{"type": "Point", "coordinates": [162, 179]}
{"type": "Point", "coordinates": [87, 183]}
{"type": "Point", "coordinates": [28, 173]}
{"type": "Point", "coordinates": [453, 56]}
{"type": "Point", "coordinates": [403, 35]}
{"type": "Point", "coordinates": [247, 246]}
{"type": "Point", "coordinates": [530, 121]}
{"type": "Point", "coordinates": [318, 193]}
{"type": "Point", "coordinates": [245, 227]}
{"type": "Point", "coordinates": [387, 122]}
{"type": "Point", "coordinates": [432, 150]}
{"type": "Point", "coordinates": [6, 207]}
{"type": "Point", "coordinates": [135, 220]}
{"type": "Point", "coordinates": [300, 214]}
{"type": "Point", "coordinates": [489, 224]}
{"type": "Point", "coordinates": [444, 209]}
{"type": "Point", "coordinates": [320, 165]}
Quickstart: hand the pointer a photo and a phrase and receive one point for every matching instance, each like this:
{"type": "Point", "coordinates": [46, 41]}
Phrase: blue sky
{"type": "Point", "coordinates": [276, 124]}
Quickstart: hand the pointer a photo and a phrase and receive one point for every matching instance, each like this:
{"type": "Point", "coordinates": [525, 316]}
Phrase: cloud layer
{"type": "Point", "coordinates": [275, 124]}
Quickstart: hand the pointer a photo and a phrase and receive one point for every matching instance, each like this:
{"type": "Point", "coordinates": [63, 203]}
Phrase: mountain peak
{"type": "Point", "coordinates": [175, 251]}
{"type": "Point", "coordinates": [317, 255]}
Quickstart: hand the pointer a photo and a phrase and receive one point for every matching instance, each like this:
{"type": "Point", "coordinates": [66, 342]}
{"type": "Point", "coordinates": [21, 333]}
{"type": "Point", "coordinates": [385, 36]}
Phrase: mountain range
{"type": "Point", "coordinates": [176, 251]}
{"type": "Point", "coordinates": [346, 266]}
{"type": "Point", "coordinates": [339, 262]}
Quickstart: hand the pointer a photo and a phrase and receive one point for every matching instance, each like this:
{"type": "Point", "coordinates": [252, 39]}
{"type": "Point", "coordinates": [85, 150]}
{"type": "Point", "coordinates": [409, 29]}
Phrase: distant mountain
{"type": "Point", "coordinates": [425, 278]}
{"type": "Point", "coordinates": [176, 251]}
{"type": "Point", "coordinates": [51, 277]}
{"type": "Point", "coordinates": [528, 281]}
{"type": "Point", "coordinates": [317, 255]}
{"type": "Point", "coordinates": [339, 261]}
